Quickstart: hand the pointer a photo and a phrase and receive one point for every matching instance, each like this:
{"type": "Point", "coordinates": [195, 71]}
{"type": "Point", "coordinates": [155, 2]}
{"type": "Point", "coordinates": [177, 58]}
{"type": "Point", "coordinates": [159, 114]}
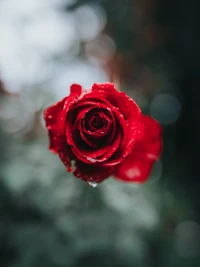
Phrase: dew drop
{"type": "Point", "coordinates": [92, 183]}
{"type": "Point", "coordinates": [91, 159]}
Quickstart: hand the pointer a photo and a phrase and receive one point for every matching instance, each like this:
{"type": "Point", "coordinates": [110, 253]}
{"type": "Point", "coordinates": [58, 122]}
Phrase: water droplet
{"type": "Point", "coordinates": [91, 159]}
{"type": "Point", "coordinates": [92, 183]}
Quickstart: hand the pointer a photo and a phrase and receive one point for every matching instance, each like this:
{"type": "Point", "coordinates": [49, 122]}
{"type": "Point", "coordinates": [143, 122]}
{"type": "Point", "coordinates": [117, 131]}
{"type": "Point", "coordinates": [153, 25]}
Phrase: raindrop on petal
{"type": "Point", "coordinates": [91, 159]}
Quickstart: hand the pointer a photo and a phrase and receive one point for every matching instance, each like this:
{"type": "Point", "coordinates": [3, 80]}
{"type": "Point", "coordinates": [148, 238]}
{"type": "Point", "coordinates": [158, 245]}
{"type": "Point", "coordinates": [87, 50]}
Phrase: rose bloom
{"type": "Point", "coordinates": [103, 132]}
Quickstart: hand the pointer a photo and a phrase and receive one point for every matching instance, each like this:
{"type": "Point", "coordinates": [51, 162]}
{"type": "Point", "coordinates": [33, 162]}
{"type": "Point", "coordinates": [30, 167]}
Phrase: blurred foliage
{"type": "Point", "coordinates": [48, 217]}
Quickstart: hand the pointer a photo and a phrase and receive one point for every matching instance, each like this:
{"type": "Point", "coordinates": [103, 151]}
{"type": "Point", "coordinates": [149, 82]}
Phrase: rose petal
{"type": "Point", "coordinates": [118, 99]}
{"type": "Point", "coordinates": [86, 156]}
{"type": "Point", "coordinates": [63, 148]}
{"type": "Point", "coordinates": [51, 116]}
{"type": "Point", "coordinates": [135, 132]}
{"type": "Point", "coordinates": [88, 141]}
{"type": "Point", "coordinates": [96, 155]}
{"type": "Point", "coordinates": [134, 168]}
{"type": "Point", "coordinates": [137, 166]}
{"type": "Point", "coordinates": [151, 142]}
{"type": "Point", "coordinates": [111, 149]}
{"type": "Point", "coordinates": [88, 172]}
{"type": "Point", "coordinates": [52, 112]}
{"type": "Point", "coordinates": [76, 89]}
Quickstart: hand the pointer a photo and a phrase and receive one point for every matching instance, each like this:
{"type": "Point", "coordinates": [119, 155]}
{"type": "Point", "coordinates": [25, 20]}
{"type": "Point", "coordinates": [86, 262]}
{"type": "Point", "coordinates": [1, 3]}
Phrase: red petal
{"type": "Point", "coordinates": [151, 143]}
{"type": "Point", "coordinates": [52, 112]}
{"type": "Point", "coordinates": [61, 145]}
{"type": "Point", "coordinates": [112, 148]}
{"type": "Point", "coordinates": [118, 99]}
{"type": "Point", "coordinates": [137, 166]}
{"type": "Point", "coordinates": [94, 173]}
{"type": "Point", "coordinates": [76, 89]}
{"type": "Point", "coordinates": [51, 116]}
{"type": "Point", "coordinates": [96, 155]}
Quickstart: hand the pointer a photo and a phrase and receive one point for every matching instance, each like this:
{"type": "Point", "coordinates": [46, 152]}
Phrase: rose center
{"type": "Point", "coordinates": [96, 122]}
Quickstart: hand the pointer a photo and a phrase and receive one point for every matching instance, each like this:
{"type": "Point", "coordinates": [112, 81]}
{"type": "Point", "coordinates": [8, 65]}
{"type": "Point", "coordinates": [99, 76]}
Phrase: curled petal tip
{"type": "Point", "coordinates": [75, 89]}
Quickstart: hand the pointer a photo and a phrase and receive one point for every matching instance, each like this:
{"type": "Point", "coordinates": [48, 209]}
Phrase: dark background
{"type": "Point", "coordinates": [49, 218]}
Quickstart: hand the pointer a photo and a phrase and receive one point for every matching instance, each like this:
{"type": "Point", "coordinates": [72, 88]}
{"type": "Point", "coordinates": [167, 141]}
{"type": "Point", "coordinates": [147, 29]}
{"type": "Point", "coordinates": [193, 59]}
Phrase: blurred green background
{"type": "Point", "coordinates": [150, 49]}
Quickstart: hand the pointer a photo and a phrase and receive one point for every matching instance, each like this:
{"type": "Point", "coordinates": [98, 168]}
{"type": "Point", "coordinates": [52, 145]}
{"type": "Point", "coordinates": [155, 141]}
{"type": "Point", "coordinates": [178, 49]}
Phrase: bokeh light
{"type": "Point", "coordinates": [187, 239]}
{"type": "Point", "coordinates": [90, 21]}
{"type": "Point", "coordinates": [165, 108]}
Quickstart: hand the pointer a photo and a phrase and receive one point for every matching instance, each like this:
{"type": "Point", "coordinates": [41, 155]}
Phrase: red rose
{"type": "Point", "coordinates": [104, 132]}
